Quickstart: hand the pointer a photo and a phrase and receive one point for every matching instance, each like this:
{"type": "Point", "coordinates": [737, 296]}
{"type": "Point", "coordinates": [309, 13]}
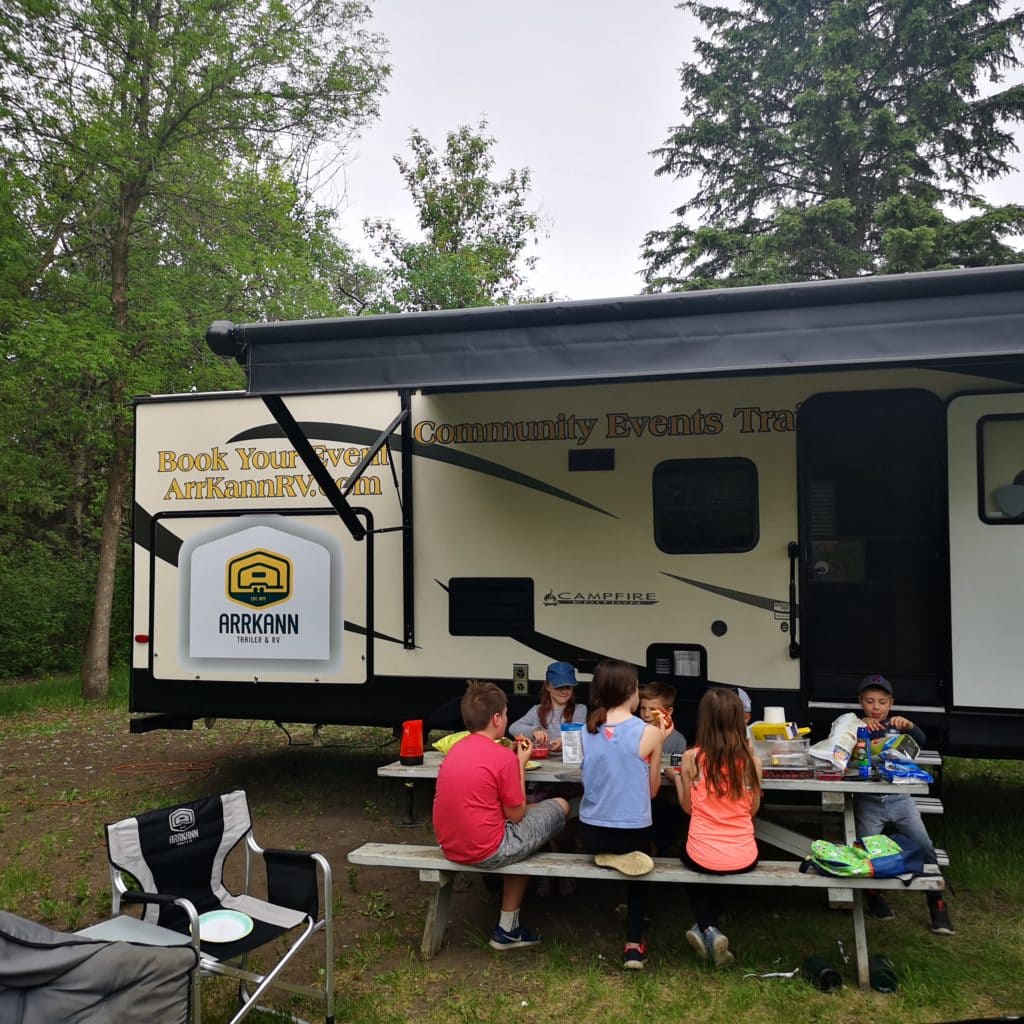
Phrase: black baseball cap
{"type": "Point", "coordinates": [875, 682]}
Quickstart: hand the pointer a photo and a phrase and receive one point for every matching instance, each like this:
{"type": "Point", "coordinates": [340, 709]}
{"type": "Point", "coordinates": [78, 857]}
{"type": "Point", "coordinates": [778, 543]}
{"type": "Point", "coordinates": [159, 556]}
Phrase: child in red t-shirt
{"type": "Point", "coordinates": [480, 812]}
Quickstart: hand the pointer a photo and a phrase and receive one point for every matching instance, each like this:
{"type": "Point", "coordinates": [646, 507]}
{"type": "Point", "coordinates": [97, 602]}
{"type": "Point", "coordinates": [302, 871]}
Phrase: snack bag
{"type": "Point", "coordinates": [445, 743]}
{"type": "Point", "coordinates": [840, 743]}
{"type": "Point", "coordinates": [903, 771]}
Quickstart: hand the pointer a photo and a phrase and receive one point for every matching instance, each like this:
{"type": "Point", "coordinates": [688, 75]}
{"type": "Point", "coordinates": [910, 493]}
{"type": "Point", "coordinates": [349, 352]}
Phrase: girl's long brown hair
{"type": "Point", "coordinates": [614, 683]}
{"type": "Point", "coordinates": [728, 762]}
{"type": "Point", "coordinates": [547, 706]}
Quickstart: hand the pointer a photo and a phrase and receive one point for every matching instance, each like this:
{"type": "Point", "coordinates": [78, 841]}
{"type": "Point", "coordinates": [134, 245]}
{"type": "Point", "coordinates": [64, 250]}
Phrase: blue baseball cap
{"type": "Point", "coordinates": [561, 673]}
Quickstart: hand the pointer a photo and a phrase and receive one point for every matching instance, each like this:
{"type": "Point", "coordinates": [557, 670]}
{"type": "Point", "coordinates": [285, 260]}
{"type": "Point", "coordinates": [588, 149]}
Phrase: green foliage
{"type": "Point", "coordinates": [154, 176]}
{"type": "Point", "coordinates": [476, 230]}
{"type": "Point", "coordinates": [829, 140]}
{"type": "Point", "coordinates": [47, 609]}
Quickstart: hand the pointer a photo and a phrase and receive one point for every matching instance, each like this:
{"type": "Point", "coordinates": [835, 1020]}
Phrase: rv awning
{"type": "Point", "coordinates": [963, 319]}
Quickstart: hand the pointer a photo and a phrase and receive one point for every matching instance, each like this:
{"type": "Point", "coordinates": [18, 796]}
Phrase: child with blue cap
{"type": "Point", "coordinates": [543, 722]}
{"type": "Point", "coordinates": [543, 725]}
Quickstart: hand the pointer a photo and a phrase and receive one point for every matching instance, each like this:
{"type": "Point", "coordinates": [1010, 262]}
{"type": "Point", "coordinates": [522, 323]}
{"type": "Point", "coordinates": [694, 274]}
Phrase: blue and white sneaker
{"type": "Point", "coordinates": [717, 946]}
{"type": "Point", "coordinates": [518, 938]}
{"type": "Point", "coordinates": [695, 937]}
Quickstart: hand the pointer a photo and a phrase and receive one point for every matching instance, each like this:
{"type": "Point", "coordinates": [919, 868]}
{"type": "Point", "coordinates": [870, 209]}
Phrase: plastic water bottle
{"type": "Point", "coordinates": [863, 752]}
{"type": "Point", "coordinates": [572, 743]}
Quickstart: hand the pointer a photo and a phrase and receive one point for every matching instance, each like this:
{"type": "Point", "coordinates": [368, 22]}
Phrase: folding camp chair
{"type": "Point", "coordinates": [177, 854]}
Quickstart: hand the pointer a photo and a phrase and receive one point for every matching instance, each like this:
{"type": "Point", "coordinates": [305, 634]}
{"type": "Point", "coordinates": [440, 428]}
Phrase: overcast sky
{"type": "Point", "coordinates": [579, 91]}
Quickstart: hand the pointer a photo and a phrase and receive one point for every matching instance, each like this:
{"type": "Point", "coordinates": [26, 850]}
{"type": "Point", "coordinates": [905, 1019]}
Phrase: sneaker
{"type": "Point", "coordinates": [632, 864]}
{"type": "Point", "coordinates": [543, 887]}
{"type": "Point", "coordinates": [941, 924]}
{"type": "Point", "coordinates": [878, 907]}
{"type": "Point", "coordinates": [515, 939]}
{"type": "Point", "coordinates": [717, 946]}
{"type": "Point", "coordinates": [695, 937]}
{"type": "Point", "coordinates": [634, 959]}
{"type": "Point", "coordinates": [567, 887]}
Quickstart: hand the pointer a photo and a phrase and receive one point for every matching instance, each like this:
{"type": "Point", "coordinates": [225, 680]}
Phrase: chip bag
{"type": "Point", "coordinates": [840, 743]}
{"type": "Point", "coordinates": [445, 743]}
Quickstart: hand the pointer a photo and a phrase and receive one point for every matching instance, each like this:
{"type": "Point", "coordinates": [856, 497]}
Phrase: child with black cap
{"type": "Point", "coordinates": [874, 813]}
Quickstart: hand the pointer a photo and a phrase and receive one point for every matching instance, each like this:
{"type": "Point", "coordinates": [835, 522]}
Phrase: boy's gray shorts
{"type": "Point", "coordinates": [540, 823]}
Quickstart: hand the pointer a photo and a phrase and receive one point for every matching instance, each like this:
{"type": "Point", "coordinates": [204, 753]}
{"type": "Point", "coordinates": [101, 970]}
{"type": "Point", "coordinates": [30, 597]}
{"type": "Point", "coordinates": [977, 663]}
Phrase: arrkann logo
{"type": "Point", "coordinates": [259, 578]}
{"type": "Point", "coordinates": [181, 819]}
{"type": "Point", "coordinates": [182, 822]}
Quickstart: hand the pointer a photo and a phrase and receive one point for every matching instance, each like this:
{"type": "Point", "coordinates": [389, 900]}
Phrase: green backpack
{"type": "Point", "coordinates": [872, 857]}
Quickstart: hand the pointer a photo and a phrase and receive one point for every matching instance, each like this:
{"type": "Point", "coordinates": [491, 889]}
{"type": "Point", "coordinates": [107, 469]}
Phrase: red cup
{"type": "Point", "coordinates": [411, 750]}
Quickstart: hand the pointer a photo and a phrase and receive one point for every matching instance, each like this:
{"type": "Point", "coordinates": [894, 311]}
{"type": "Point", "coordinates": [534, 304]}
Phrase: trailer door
{"type": "Point", "coordinates": [872, 545]}
{"type": "Point", "coordinates": [986, 548]}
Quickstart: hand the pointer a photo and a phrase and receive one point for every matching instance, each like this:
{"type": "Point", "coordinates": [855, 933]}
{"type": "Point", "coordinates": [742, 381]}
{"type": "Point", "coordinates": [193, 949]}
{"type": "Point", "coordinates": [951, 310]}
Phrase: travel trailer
{"type": "Point", "coordinates": [780, 488]}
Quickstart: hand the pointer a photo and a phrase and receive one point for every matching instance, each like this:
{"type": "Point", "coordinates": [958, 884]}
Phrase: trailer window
{"type": "Point", "coordinates": [1001, 469]}
{"type": "Point", "coordinates": [705, 505]}
{"type": "Point", "coordinates": [490, 606]}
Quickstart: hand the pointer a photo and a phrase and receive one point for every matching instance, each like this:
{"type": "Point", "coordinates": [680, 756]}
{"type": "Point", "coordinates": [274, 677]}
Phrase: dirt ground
{"type": "Point", "coordinates": [63, 776]}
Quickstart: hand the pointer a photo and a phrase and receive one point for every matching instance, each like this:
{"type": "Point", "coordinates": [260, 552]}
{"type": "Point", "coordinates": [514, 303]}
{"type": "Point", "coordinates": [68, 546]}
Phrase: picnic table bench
{"type": "Point", "coordinates": [441, 873]}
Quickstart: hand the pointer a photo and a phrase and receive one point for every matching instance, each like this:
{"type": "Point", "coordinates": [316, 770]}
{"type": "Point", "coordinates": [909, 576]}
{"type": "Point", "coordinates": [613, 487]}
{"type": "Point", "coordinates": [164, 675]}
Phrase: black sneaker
{"type": "Point", "coordinates": [879, 908]}
{"type": "Point", "coordinates": [518, 938]}
{"type": "Point", "coordinates": [634, 959]}
{"type": "Point", "coordinates": [941, 924]}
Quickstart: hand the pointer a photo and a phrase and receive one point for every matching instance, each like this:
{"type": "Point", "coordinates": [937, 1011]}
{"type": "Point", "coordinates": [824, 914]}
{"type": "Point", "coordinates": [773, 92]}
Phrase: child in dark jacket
{"type": "Point", "coordinates": [874, 813]}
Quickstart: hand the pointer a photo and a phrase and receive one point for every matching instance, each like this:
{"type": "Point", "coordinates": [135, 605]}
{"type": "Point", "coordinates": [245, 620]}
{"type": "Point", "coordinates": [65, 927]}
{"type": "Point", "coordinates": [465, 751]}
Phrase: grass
{"type": "Point", "coordinates": [575, 974]}
{"type": "Point", "coordinates": [56, 692]}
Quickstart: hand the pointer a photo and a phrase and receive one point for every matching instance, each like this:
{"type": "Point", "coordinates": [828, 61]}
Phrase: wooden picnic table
{"type": "Point", "coordinates": [836, 795]}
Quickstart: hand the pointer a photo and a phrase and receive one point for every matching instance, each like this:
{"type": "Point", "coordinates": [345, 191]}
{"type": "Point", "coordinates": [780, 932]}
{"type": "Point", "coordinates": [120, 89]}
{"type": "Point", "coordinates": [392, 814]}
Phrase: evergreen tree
{"type": "Point", "coordinates": [831, 138]}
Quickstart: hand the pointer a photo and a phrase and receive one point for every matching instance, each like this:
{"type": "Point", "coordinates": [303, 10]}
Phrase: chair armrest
{"type": "Point", "coordinates": [160, 898]}
{"type": "Point", "coordinates": [166, 899]}
{"type": "Point", "coordinates": [292, 880]}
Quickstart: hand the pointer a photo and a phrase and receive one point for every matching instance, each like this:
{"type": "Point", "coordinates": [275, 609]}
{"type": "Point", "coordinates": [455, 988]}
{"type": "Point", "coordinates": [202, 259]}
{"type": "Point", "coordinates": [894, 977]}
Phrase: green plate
{"type": "Point", "coordinates": [224, 926]}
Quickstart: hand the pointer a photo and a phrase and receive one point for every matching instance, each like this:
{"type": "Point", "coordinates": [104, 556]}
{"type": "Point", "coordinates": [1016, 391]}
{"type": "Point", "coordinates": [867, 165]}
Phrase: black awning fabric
{"type": "Point", "coordinates": [949, 318]}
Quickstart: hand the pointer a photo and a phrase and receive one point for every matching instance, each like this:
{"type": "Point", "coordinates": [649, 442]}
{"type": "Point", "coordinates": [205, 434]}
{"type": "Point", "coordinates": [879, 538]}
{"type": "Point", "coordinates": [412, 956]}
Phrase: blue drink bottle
{"type": "Point", "coordinates": [863, 752]}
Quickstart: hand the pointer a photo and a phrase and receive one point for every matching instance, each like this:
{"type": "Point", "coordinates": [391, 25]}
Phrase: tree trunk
{"type": "Point", "coordinates": [96, 662]}
{"type": "Point", "coordinates": [96, 659]}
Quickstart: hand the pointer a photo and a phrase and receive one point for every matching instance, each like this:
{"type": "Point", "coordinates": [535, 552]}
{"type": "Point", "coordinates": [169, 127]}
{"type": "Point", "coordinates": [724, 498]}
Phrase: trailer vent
{"type": "Point", "coordinates": [824, 517]}
{"type": "Point", "coordinates": [488, 606]}
{"type": "Point", "coordinates": [594, 460]}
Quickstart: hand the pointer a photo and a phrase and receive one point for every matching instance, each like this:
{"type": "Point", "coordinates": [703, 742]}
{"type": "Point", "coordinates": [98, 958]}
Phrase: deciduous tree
{"type": "Point", "coordinates": [168, 142]}
{"type": "Point", "coordinates": [477, 229]}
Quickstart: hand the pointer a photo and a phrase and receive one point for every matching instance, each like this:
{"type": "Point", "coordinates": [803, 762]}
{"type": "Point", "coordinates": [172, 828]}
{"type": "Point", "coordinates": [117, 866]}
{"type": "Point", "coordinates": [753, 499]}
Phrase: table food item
{"type": "Point", "coordinates": [541, 753]}
{"type": "Point", "coordinates": [862, 752]}
{"type": "Point", "coordinates": [660, 717]}
{"type": "Point", "coordinates": [572, 742]}
{"type": "Point", "coordinates": [787, 772]}
{"type": "Point", "coordinates": [783, 753]}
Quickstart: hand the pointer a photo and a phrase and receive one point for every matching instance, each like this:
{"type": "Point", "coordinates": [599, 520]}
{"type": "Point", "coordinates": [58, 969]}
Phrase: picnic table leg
{"type": "Point", "coordinates": [860, 940]}
{"type": "Point", "coordinates": [410, 804]}
{"type": "Point", "coordinates": [849, 822]}
{"type": "Point", "coordinates": [841, 899]}
{"type": "Point", "coordinates": [437, 911]}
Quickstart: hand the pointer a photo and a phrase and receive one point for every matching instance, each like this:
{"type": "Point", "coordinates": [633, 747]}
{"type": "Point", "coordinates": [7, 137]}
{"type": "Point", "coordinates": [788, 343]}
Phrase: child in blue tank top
{"type": "Point", "coordinates": [621, 772]}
